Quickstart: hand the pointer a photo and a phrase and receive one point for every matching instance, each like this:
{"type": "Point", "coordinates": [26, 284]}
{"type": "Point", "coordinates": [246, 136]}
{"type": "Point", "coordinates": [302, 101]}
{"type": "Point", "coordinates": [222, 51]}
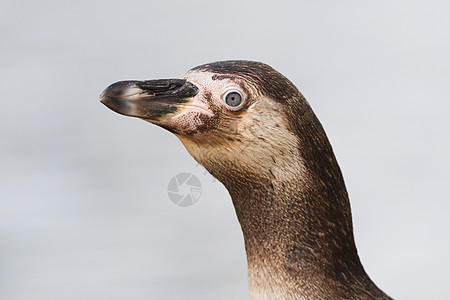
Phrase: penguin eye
{"type": "Point", "coordinates": [233, 99]}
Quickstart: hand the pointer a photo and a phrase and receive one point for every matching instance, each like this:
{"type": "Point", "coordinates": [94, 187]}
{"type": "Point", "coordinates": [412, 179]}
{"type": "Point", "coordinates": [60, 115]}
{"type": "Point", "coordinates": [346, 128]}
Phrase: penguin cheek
{"type": "Point", "coordinates": [189, 123]}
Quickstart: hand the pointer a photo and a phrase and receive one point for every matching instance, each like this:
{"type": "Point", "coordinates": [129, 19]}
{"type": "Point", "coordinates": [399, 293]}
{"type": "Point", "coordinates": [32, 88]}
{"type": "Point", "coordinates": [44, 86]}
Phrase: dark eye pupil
{"type": "Point", "coordinates": [233, 99]}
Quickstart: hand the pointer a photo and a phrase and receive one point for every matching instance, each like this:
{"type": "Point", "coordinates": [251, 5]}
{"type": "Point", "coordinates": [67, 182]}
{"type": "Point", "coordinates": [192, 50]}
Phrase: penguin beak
{"type": "Point", "coordinates": [152, 100]}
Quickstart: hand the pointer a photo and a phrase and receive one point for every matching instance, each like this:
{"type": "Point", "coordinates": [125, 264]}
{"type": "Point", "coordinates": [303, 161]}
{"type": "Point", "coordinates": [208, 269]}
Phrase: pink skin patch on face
{"type": "Point", "coordinates": [202, 112]}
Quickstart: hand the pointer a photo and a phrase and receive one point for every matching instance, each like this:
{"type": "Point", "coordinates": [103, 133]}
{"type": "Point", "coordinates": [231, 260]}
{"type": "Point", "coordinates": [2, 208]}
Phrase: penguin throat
{"type": "Point", "coordinates": [299, 238]}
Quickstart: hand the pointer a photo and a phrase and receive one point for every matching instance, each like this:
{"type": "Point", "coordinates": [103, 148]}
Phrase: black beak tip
{"type": "Point", "coordinates": [116, 89]}
{"type": "Point", "coordinates": [103, 97]}
{"type": "Point", "coordinates": [115, 104]}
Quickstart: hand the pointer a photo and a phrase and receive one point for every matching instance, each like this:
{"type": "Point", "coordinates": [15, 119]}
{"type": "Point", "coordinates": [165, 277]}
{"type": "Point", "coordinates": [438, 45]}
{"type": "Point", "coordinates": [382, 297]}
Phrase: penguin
{"type": "Point", "coordinates": [253, 130]}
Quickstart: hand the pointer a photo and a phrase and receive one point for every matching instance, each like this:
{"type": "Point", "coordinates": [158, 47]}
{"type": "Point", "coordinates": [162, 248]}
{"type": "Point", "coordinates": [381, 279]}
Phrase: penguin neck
{"type": "Point", "coordinates": [298, 235]}
{"type": "Point", "coordinates": [293, 208]}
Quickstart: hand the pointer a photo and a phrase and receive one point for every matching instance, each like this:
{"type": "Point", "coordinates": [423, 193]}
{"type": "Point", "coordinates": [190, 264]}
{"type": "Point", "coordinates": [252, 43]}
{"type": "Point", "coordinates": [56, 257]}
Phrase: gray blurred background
{"type": "Point", "coordinates": [84, 211]}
